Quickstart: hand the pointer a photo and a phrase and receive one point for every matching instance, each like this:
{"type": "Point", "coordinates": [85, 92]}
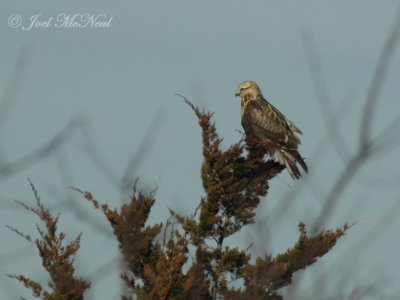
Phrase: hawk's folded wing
{"type": "Point", "coordinates": [263, 121]}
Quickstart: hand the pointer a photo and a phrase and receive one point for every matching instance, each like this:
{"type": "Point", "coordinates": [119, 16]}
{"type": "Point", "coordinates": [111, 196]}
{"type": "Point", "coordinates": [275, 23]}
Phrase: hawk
{"type": "Point", "coordinates": [261, 120]}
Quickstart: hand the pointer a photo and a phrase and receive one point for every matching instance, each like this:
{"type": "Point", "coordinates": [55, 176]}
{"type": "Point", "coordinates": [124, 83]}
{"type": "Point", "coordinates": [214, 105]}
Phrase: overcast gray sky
{"type": "Point", "coordinates": [120, 81]}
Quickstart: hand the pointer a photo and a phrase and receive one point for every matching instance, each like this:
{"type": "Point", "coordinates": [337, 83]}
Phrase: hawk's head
{"type": "Point", "coordinates": [248, 88]}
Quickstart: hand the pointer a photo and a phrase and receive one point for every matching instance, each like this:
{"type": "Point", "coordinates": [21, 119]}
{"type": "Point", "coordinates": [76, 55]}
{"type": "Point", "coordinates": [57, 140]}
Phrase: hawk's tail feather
{"type": "Point", "coordinates": [299, 159]}
{"type": "Point", "coordinates": [289, 158]}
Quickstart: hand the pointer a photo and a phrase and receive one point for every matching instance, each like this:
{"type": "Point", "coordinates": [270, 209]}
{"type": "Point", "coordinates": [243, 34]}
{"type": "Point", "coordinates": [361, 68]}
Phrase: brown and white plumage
{"type": "Point", "coordinates": [267, 124]}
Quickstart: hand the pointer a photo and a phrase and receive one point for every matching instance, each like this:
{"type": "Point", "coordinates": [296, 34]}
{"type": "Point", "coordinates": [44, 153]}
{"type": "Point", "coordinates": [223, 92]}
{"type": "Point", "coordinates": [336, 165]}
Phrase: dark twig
{"type": "Point", "coordinates": [389, 217]}
{"type": "Point", "coordinates": [316, 156]}
{"type": "Point", "coordinates": [9, 169]}
{"type": "Point", "coordinates": [73, 204]}
{"type": "Point", "coordinates": [98, 159]}
{"type": "Point", "coordinates": [13, 86]}
{"type": "Point", "coordinates": [377, 83]}
{"type": "Point", "coordinates": [144, 149]}
{"type": "Point", "coordinates": [366, 146]}
{"type": "Point", "coordinates": [324, 98]}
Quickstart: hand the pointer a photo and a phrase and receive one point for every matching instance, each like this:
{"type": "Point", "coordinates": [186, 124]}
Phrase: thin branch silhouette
{"type": "Point", "coordinates": [324, 99]}
{"type": "Point", "coordinates": [42, 152]}
{"type": "Point", "coordinates": [13, 86]}
{"type": "Point", "coordinates": [145, 145]}
{"type": "Point", "coordinates": [366, 143]}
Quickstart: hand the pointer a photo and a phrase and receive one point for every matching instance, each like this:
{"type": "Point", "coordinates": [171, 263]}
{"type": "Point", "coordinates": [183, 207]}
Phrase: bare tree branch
{"type": "Point", "coordinates": [14, 84]}
{"type": "Point", "coordinates": [96, 156]}
{"type": "Point", "coordinates": [388, 218]}
{"type": "Point", "coordinates": [9, 169]}
{"type": "Point", "coordinates": [366, 143]}
{"type": "Point", "coordinates": [324, 98]}
{"type": "Point", "coordinates": [316, 156]}
{"type": "Point", "coordinates": [377, 83]}
{"type": "Point", "coordinates": [73, 204]}
{"type": "Point", "coordinates": [143, 151]}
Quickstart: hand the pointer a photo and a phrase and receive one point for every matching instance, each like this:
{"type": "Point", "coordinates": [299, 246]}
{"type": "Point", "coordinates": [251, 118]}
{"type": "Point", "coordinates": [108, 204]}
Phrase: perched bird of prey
{"type": "Point", "coordinates": [268, 125]}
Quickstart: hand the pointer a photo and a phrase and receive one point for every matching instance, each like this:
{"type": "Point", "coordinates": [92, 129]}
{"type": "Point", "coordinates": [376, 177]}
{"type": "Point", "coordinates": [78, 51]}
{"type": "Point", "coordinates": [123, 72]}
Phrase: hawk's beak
{"type": "Point", "coordinates": [237, 94]}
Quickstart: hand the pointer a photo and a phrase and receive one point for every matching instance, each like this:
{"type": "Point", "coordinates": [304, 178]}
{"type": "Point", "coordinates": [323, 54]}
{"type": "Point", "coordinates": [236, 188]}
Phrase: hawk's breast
{"type": "Point", "coordinates": [243, 103]}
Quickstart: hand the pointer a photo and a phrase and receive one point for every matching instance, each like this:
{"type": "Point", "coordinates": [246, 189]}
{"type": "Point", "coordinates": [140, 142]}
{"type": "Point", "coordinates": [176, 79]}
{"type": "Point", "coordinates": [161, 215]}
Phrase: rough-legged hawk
{"type": "Point", "coordinates": [268, 125]}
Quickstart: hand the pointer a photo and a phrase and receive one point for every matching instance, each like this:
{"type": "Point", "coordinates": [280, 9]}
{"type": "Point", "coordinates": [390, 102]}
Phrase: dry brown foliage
{"type": "Point", "coordinates": [57, 258]}
{"type": "Point", "coordinates": [234, 182]}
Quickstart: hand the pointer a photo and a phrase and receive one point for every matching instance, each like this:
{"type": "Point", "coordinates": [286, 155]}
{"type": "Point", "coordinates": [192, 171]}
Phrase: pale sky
{"type": "Point", "coordinates": [120, 82]}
